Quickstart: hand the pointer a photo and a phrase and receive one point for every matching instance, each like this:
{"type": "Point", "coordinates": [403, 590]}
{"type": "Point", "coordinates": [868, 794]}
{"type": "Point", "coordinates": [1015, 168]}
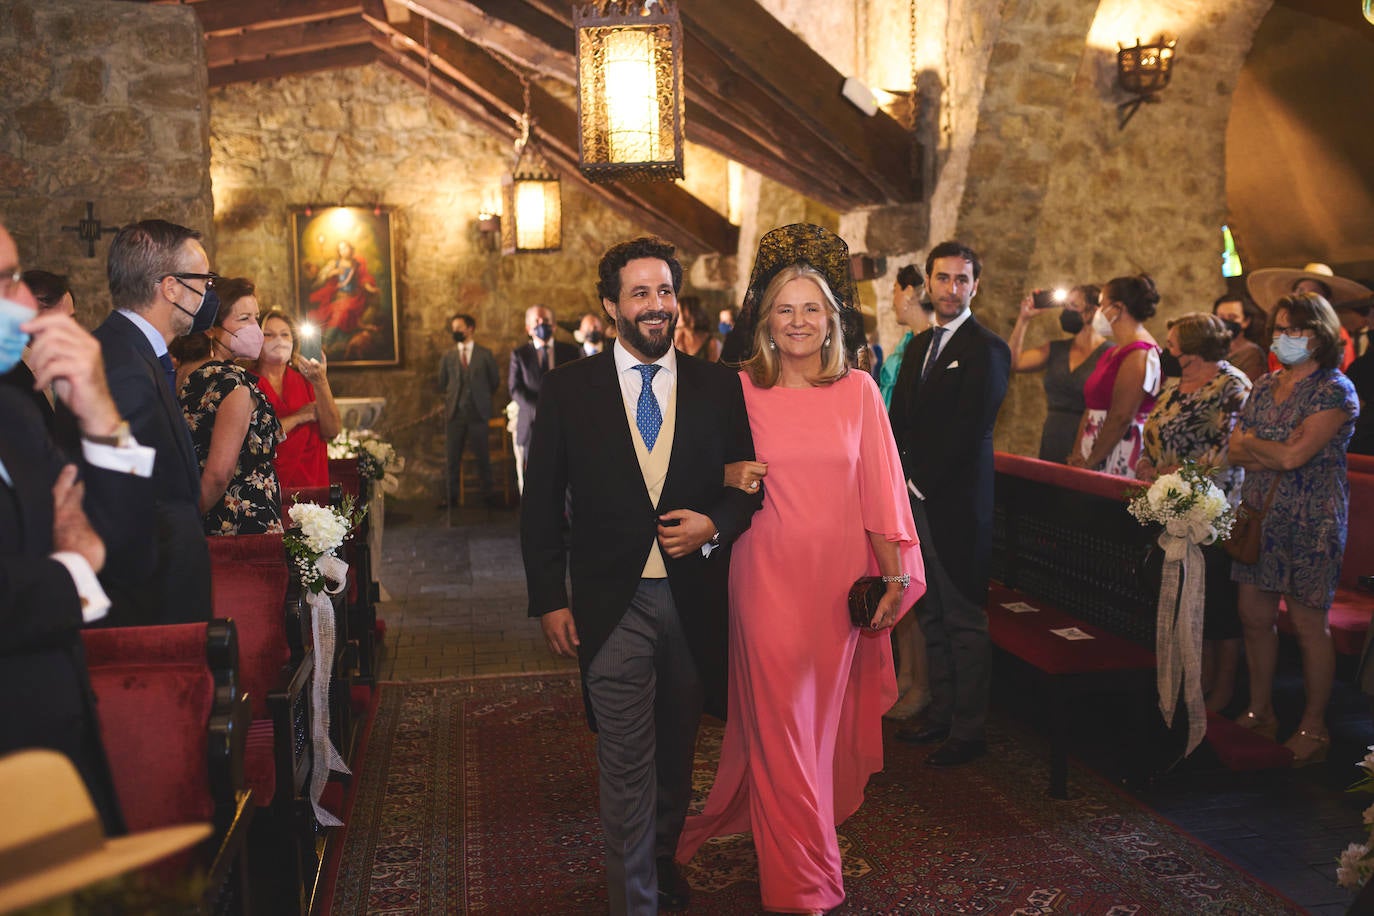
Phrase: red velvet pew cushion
{"type": "Point", "coordinates": [1028, 636]}
{"type": "Point", "coordinates": [248, 582]}
{"type": "Point", "coordinates": [1359, 534]}
{"type": "Point", "coordinates": [154, 719]}
{"type": "Point", "coordinates": [1240, 749]}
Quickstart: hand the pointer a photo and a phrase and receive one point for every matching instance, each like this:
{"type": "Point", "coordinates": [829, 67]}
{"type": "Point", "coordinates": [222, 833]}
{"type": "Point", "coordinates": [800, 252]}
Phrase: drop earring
{"type": "Point", "coordinates": [772, 344]}
{"type": "Point", "coordinates": [827, 340]}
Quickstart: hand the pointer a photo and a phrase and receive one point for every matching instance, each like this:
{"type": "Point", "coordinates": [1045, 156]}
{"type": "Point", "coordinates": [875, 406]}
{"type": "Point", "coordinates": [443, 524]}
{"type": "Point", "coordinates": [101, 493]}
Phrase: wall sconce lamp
{"type": "Point", "coordinates": [1369, 11]}
{"type": "Point", "coordinates": [488, 231]}
{"type": "Point", "coordinates": [629, 89]}
{"type": "Point", "coordinates": [1144, 71]}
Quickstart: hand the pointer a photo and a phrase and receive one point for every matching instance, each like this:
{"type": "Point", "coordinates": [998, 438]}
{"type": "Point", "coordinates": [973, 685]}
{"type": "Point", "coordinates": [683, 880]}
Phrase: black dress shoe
{"type": "Point", "coordinates": [957, 752]}
{"type": "Point", "coordinates": [929, 733]}
{"type": "Point", "coordinates": [674, 893]}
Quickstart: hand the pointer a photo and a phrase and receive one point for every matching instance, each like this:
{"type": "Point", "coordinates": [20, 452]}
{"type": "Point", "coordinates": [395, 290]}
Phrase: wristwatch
{"type": "Point", "coordinates": [120, 438]}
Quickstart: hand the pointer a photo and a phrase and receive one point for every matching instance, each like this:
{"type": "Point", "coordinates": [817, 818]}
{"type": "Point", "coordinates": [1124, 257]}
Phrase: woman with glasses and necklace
{"type": "Point", "coordinates": [233, 426]}
{"type": "Point", "coordinates": [1291, 440]}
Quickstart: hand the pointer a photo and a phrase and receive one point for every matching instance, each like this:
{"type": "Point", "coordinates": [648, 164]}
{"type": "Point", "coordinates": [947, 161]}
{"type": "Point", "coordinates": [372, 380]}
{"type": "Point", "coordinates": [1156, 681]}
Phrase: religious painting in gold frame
{"type": "Point", "coordinates": [344, 268]}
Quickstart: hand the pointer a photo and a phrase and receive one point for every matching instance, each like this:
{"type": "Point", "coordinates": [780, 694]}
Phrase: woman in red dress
{"type": "Point", "coordinates": [298, 389]}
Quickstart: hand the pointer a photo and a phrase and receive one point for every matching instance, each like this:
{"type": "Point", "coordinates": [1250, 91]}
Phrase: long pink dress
{"type": "Point", "coordinates": [807, 689]}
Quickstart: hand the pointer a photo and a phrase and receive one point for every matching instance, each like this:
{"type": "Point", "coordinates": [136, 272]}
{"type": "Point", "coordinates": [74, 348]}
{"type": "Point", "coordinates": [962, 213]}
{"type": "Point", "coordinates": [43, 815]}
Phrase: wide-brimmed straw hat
{"type": "Point", "coordinates": [799, 243]}
{"type": "Point", "coordinates": [51, 841]}
{"type": "Point", "coordinates": [1271, 284]}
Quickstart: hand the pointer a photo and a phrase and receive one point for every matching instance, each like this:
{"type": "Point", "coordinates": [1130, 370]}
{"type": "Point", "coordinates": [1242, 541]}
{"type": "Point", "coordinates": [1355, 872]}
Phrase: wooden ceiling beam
{"type": "Point", "coordinates": [292, 64]}
{"type": "Point", "coordinates": [228, 16]}
{"type": "Point", "coordinates": [779, 80]}
{"type": "Point", "coordinates": [298, 38]}
{"type": "Point", "coordinates": [506, 27]}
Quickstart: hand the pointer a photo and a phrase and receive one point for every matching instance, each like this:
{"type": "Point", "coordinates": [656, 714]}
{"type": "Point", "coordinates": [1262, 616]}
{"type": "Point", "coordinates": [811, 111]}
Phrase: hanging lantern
{"type": "Point", "coordinates": [533, 219]}
{"type": "Point", "coordinates": [629, 89]}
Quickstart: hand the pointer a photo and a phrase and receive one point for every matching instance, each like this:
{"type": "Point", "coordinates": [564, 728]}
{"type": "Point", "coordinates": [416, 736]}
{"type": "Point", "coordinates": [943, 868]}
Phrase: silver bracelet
{"type": "Point", "coordinates": [904, 579]}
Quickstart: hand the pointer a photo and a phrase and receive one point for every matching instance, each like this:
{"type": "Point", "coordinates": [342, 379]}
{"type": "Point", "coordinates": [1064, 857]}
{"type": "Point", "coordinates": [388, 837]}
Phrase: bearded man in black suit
{"type": "Point", "coordinates": [638, 437]}
{"type": "Point", "coordinates": [162, 288]}
{"type": "Point", "coordinates": [944, 406]}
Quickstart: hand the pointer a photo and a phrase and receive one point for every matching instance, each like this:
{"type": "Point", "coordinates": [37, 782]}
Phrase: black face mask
{"type": "Point", "coordinates": [203, 318]}
{"type": "Point", "coordinates": [459, 336]}
{"type": "Point", "coordinates": [1071, 321]}
{"type": "Point", "coordinates": [1169, 365]}
{"type": "Point", "coordinates": [1234, 327]}
{"type": "Point", "coordinates": [593, 337]}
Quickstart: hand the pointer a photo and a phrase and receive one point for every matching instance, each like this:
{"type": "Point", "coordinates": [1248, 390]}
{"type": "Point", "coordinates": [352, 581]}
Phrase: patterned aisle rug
{"type": "Point", "coordinates": [478, 796]}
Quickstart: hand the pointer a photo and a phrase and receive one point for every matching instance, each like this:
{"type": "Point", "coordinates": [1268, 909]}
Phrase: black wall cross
{"type": "Point", "coordinates": [89, 229]}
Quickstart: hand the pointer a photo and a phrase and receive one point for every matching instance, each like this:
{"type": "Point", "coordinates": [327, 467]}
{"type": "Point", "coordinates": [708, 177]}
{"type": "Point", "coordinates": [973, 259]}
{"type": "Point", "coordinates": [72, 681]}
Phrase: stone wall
{"type": "Point", "coordinates": [102, 102]}
{"type": "Point", "coordinates": [366, 136]}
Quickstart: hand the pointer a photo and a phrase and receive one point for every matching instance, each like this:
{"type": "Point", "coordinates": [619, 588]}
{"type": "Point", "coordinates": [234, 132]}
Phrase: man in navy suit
{"type": "Point", "coordinates": [945, 403]}
{"type": "Point", "coordinates": [638, 436]}
{"type": "Point", "coordinates": [57, 531]}
{"type": "Point", "coordinates": [161, 286]}
{"type": "Point", "coordinates": [529, 363]}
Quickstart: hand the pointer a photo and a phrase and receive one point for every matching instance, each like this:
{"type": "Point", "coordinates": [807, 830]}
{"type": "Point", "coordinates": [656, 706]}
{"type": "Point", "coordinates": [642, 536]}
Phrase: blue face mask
{"type": "Point", "coordinates": [1290, 350]}
{"type": "Point", "coordinates": [543, 331]}
{"type": "Point", "coordinates": [725, 327]}
{"type": "Point", "coordinates": [12, 340]}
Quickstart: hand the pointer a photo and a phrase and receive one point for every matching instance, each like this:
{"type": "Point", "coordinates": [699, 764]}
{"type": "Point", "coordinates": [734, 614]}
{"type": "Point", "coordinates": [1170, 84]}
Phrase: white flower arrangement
{"type": "Point", "coordinates": [318, 531]}
{"type": "Point", "coordinates": [377, 458]}
{"type": "Point", "coordinates": [1356, 861]}
{"type": "Point", "coordinates": [1188, 504]}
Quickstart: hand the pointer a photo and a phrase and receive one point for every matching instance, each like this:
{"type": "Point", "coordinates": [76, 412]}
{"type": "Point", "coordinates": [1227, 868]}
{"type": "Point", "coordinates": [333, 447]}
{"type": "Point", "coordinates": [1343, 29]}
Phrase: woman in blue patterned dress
{"type": "Point", "coordinates": [1294, 429]}
{"type": "Point", "coordinates": [233, 426]}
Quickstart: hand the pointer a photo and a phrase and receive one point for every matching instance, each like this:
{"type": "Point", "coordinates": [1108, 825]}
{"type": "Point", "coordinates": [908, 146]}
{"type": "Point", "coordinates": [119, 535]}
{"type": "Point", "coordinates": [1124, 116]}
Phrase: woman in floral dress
{"type": "Point", "coordinates": [1192, 421]}
{"type": "Point", "coordinates": [234, 428]}
{"type": "Point", "coordinates": [1291, 437]}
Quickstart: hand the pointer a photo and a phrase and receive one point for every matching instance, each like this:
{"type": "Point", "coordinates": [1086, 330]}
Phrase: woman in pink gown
{"type": "Point", "coordinates": [807, 689]}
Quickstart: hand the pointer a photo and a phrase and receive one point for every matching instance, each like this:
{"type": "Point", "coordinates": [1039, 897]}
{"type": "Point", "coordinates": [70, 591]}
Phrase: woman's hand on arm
{"type": "Point", "coordinates": [746, 475]}
{"type": "Point", "coordinates": [1309, 438]}
{"type": "Point", "coordinates": [226, 443]}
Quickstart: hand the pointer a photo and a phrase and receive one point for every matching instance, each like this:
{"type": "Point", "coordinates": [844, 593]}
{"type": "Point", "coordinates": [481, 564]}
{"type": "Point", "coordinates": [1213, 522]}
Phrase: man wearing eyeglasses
{"type": "Point", "coordinates": [162, 288]}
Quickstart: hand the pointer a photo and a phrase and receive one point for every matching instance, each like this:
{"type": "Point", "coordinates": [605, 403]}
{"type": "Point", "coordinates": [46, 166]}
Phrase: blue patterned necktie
{"type": "Point", "coordinates": [934, 352]}
{"type": "Point", "coordinates": [648, 417]}
{"type": "Point", "coordinates": [171, 372]}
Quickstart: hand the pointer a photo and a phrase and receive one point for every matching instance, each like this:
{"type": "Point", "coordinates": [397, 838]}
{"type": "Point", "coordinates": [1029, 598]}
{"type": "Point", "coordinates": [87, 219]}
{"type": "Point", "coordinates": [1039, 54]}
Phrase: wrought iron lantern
{"type": "Point", "coordinates": [629, 89]}
{"type": "Point", "coordinates": [1143, 70]}
{"type": "Point", "coordinates": [533, 219]}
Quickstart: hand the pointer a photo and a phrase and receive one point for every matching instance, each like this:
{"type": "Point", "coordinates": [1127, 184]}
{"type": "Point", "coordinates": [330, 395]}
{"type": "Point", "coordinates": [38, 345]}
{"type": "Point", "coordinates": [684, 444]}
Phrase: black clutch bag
{"type": "Point", "coordinates": [864, 596]}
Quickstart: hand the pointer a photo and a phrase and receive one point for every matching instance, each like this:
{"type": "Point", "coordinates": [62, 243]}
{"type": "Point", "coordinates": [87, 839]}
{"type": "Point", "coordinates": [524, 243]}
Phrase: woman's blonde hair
{"type": "Point", "coordinates": [763, 366]}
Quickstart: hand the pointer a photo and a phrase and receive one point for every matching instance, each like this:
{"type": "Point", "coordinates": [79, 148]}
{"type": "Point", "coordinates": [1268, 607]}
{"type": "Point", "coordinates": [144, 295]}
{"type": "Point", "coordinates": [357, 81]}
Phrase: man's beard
{"type": "Point", "coordinates": [652, 347]}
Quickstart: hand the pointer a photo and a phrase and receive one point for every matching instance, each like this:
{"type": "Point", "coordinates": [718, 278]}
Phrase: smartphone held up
{"type": "Point", "coordinates": [1050, 298]}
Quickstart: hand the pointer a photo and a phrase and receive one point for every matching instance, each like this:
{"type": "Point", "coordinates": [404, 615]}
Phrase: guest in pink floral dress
{"type": "Point", "coordinates": [1121, 391]}
{"type": "Point", "coordinates": [808, 689]}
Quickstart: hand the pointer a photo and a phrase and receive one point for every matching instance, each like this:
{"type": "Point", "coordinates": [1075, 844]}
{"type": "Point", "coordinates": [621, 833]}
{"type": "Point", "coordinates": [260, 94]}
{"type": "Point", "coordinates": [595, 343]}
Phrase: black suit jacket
{"type": "Point", "coordinates": [525, 379]}
{"type": "Point", "coordinates": [43, 679]}
{"type": "Point", "coordinates": [178, 590]}
{"type": "Point", "coordinates": [943, 427]}
{"type": "Point", "coordinates": [582, 444]}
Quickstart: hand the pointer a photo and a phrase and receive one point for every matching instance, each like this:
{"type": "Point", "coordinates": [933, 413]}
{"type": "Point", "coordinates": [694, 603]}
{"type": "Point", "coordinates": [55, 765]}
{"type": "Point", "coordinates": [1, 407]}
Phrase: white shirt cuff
{"type": "Point", "coordinates": [132, 459]}
{"type": "Point", "coordinates": [95, 604]}
{"type": "Point", "coordinates": [914, 491]}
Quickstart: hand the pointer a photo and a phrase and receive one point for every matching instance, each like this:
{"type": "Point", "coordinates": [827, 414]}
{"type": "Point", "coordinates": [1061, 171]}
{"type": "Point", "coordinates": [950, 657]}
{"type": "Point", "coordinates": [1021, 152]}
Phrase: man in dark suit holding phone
{"type": "Point", "coordinates": [639, 436]}
{"type": "Point", "coordinates": [161, 286]}
{"type": "Point", "coordinates": [944, 406]}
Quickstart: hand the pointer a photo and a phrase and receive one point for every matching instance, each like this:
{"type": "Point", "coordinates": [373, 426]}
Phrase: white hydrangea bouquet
{"type": "Point", "coordinates": [1356, 863]}
{"type": "Point", "coordinates": [377, 458]}
{"type": "Point", "coordinates": [1193, 511]}
{"type": "Point", "coordinates": [316, 534]}
{"type": "Point", "coordinates": [1188, 504]}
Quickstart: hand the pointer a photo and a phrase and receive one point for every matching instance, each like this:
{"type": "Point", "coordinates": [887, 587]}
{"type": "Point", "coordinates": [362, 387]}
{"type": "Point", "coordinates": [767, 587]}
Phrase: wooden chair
{"type": "Point", "coordinates": [175, 725]}
{"type": "Point", "coordinates": [502, 465]}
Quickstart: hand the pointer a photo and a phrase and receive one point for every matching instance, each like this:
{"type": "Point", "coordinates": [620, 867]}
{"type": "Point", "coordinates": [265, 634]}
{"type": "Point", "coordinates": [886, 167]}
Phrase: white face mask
{"type": "Point", "coordinates": [1101, 325]}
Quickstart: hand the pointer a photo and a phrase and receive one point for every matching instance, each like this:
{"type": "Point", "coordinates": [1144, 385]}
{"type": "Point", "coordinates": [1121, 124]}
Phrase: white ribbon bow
{"type": "Point", "coordinates": [1178, 632]}
{"type": "Point", "coordinates": [324, 757]}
